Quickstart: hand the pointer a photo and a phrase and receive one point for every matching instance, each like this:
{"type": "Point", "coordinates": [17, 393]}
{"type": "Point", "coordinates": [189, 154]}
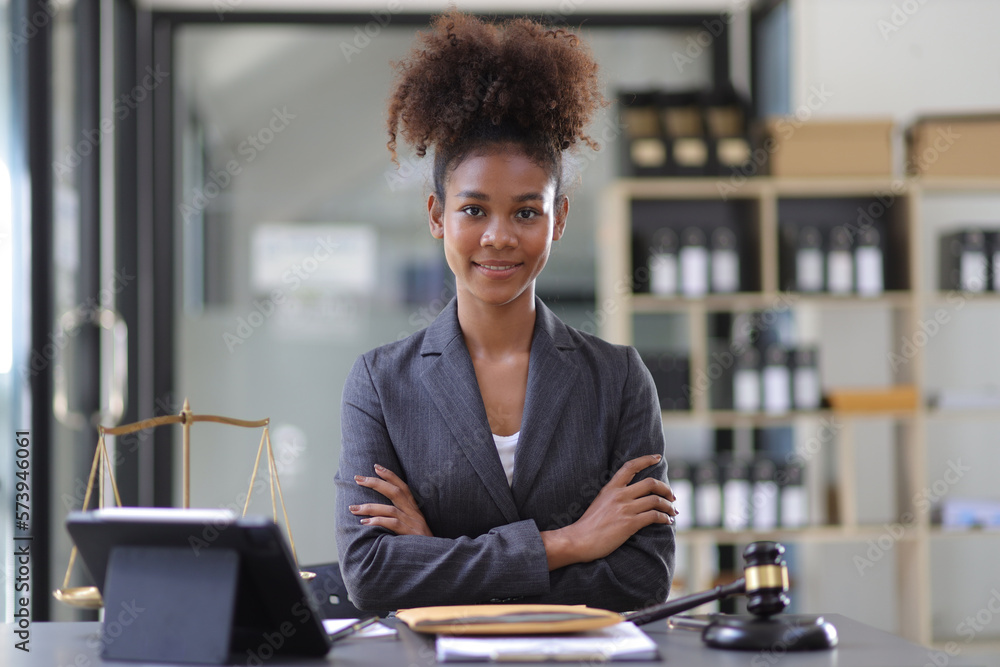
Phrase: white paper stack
{"type": "Point", "coordinates": [623, 641]}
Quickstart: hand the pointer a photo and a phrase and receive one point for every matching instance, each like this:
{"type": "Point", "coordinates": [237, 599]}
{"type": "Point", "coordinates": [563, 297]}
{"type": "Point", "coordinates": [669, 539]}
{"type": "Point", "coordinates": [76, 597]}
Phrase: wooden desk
{"type": "Point", "coordinates": [78, 645]}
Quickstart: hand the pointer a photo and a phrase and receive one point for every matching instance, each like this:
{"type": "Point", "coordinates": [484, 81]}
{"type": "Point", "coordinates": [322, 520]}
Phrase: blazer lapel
{"type": "Point", "coordinates": [450, 379]}
{"type": "Point", "coordinates": [551, 377]}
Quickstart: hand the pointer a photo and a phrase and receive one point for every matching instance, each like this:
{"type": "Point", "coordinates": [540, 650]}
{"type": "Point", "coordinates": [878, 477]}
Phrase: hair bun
{"type": "Point", "coordinates": [469, 80]}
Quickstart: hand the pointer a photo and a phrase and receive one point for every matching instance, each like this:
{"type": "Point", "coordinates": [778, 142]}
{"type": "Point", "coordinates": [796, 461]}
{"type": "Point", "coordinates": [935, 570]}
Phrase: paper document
{"type": "Point", "coordinates": [623, 641]}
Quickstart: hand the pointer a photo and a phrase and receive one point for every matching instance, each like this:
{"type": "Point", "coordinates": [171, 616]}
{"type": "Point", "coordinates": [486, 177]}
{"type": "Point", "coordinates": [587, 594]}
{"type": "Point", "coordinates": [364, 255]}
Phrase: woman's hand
{"type": "Point", "coordinates": [403, 517]}
{"type": "Point", "coordinates": [619, 511]}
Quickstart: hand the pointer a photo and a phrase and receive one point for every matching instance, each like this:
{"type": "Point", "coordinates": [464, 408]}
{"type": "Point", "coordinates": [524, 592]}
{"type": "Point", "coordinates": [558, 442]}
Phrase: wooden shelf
{"type": "Point", "coordinates": [960, 184]}
{"type": "Point", "coordinates": [946, 298]}
{"type": "Point", "coordinates": [808, 534]}
{"type": "Point", "coordinates": [754, 301]}
{"type": "Point", "coordinates": [964, 414]}
{"type": "Point", "coordinates": [635, 209]}
{"type": "Point", "coordinates": [730, 418]}
{"type": "Point", "coordinates": [937, 532]}
{"type": "Point", "coordinates": [819, 186]}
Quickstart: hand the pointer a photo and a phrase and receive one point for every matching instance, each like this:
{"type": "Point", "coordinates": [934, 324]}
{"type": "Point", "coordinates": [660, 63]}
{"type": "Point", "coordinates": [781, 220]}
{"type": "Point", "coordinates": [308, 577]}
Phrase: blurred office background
{"type": "Point", "coordinates": [241, 218]}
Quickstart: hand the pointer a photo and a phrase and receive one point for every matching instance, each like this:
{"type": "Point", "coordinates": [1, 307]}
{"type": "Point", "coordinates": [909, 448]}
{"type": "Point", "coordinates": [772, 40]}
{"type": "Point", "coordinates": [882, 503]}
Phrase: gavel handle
{"type": "Point", "coordinates": [676, 606]}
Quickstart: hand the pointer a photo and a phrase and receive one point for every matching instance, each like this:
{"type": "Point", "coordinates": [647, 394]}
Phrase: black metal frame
{"type": "Point", "coordinates": [36, 67]}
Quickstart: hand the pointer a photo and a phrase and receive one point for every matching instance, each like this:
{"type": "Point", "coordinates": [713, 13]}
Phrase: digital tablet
{"type": "Point", "coordinates": [269, 595]}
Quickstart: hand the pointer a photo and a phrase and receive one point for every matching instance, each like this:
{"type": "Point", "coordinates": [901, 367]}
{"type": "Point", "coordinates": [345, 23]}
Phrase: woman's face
{"type": "Point", "coordinates": [498, 220]}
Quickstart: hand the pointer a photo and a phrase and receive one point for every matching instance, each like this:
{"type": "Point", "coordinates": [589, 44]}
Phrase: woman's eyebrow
{"type": "Point", "coordinates": [482, 196]}
{"type": "Point", "coordinates": [473, 194]}
{"type": "Point", "coordinates": [529, 196]}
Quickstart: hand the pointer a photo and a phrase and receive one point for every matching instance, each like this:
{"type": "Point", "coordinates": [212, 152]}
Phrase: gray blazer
{"type": "Point", "coordinates": [414, 407]}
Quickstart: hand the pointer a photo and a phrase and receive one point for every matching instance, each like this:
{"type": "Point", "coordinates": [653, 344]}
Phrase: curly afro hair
{"type": "Point", "coordinates": [468, 84]}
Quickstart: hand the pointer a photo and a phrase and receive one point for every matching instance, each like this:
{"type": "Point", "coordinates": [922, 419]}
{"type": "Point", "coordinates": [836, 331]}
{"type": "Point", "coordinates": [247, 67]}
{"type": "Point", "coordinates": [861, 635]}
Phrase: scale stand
{"type": "Point", "coordinates": [88, 597]}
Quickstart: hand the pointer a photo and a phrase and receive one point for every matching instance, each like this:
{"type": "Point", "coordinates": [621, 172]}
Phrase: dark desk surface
{"type": "Point", "coordinates": [78, 645]}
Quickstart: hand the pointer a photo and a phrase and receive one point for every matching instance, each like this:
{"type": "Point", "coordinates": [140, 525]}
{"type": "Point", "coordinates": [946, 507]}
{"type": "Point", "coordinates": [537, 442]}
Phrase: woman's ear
{"type": "Point", "coordinates": [435, 216]}
{"type": "Point", "coordinates": [562, 211]}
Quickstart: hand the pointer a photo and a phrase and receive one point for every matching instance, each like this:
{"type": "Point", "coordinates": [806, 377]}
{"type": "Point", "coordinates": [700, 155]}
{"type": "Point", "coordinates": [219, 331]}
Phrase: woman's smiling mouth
{"type": "Point", "coordinates": [497, 269]}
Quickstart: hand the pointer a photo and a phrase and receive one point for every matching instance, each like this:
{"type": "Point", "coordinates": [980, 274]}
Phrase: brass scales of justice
{"type": "Point", "coordinates": [89, 597]}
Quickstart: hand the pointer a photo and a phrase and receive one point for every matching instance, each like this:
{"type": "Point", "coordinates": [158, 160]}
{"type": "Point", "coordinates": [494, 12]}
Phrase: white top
{"type": "Point", "coordinates": [506, 447]}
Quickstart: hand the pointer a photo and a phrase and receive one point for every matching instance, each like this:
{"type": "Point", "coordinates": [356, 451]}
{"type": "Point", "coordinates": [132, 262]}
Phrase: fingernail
{"type": "Point", "coordinates": [366, 521]}
{"type": "Point", "coordinates": [658, 458]}
{"type": "Point", "coordinates": [353, 508]}
{"type": "Point", "coordinates": [379, 468]}
{"type": "Point", "coordinates": [359, 478]}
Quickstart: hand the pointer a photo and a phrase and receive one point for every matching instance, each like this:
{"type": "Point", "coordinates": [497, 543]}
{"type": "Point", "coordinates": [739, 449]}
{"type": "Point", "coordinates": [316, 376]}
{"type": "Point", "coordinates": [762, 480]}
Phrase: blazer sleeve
{"type": "Point", "coordinates": [639, 573]}
{"type": "Point", "coordinates": [384, 571]}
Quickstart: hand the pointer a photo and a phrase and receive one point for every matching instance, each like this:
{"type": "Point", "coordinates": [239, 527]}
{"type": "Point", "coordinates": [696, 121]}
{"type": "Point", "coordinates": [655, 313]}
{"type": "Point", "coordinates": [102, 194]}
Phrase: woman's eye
{"type": "Point", "coordinates": [527, 214]}
{"type": "Point", "coordinates": [472, 210]}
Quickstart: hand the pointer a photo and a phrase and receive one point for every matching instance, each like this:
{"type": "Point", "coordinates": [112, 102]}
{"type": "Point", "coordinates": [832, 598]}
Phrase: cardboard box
{"type": "Point", "coordinates": [954, 146]}
{"type": "Point", "coordinates": [828, 148]}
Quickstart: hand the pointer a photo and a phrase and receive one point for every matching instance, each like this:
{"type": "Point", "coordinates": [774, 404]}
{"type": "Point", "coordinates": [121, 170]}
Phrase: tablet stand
{"type": "Point", "coordinates": [169, 604]}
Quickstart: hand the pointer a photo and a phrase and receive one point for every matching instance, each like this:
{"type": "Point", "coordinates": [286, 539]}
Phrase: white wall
{"type": "Point", "coordinates": [897, 57]}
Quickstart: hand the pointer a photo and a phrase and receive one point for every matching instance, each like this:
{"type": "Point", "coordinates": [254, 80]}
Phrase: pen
{"type": "Point", "coordinates": [352, 628]}
{"type": "Point", "coordinates": [687, 623]}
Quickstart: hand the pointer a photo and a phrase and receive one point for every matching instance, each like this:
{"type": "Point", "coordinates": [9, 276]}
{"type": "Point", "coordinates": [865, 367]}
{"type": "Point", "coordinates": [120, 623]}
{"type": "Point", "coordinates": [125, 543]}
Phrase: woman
{"type": "Point", "coordinates": [499, 454]}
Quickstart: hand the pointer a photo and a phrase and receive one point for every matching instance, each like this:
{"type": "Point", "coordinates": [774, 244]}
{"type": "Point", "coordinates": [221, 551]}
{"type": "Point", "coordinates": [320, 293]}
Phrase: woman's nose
{"type": "Point", "coordinates": [498, 234]}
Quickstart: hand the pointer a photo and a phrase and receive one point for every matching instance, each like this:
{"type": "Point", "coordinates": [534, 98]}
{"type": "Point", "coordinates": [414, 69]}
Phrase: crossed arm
{"type": "Point", "coordinates": [619, 511]}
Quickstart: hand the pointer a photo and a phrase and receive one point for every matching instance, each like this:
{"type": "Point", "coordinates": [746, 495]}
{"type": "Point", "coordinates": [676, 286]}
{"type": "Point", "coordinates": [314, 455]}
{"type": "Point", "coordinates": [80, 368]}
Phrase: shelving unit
{"type": "Point", "coordinates": [758, 205]}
